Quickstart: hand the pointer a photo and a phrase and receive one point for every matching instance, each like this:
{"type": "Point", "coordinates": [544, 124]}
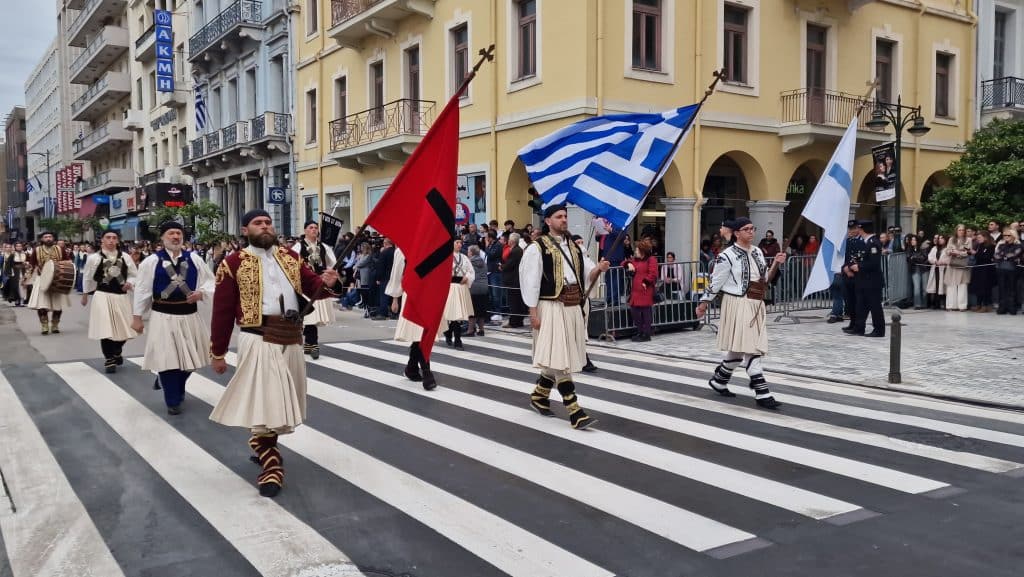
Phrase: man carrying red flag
{"type": "Point", "coordinates": [418, 214]}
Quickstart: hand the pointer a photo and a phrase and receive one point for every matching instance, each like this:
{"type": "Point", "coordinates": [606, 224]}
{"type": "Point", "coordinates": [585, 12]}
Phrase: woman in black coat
{"type": "Point", "coordinates": [983, 276]}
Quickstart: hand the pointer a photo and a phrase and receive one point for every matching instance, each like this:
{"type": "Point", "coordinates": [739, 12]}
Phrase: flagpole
{"type": "Point", "coordinates": [486, 55]}
{"type": "Point", "coordinates": [769, 276]}
{"type": "Point", "coordinates": [719, 75]}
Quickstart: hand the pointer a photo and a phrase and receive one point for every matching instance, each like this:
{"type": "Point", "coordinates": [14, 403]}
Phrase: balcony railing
{"type": "Point", "coordinates": [186, 154]}
{"type": "Point", "coordinates": [401, 117]}
{"type": "Point", "coordinates": [241, 12]}
{"type": "Point", "coordinates": [91, 49]}
{"type": "Point", "coordinates": [814, 106]}
{"type": "Point", "coordinates": [342, 10]}
{"type": "Point", "coordinates": [91, 138]}
{"type": "Point", "coordinates": [280, 126]}
{"type": "Point", "coordinates": [212, 142]}
{"type": "Point", "coordinates": [1007, 92]}
{"type": "Point", "coordinates": [151, 177]}
{"type": "Point", "coordinates": [83, 15]}
{"type": "Point", "coordinates": [198, 147]}
{"type": "Point", "coordinates": [91, 93]}
{"type": "Point", "coordinates": [235, 133]}
{"type": "Point", "coordinates": [145, 36]}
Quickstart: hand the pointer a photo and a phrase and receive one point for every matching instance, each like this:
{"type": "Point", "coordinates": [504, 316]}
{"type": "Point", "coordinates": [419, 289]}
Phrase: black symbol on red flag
{"type": "Point", "coordinates": [447, 217]}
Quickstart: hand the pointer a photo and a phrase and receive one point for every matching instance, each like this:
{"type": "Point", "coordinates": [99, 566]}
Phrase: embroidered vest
{"type": "Point", "coordinates": [185, 268]}
{"type": "Point", "coordinates": [105, 271]}
{"type": "Point", "coordinates": [314, 258]}
{"type": "Point", "coordinates": [553, 279]}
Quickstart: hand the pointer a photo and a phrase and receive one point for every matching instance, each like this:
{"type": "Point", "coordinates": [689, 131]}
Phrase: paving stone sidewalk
{"type": "Point", "coordinates": [964, 356]}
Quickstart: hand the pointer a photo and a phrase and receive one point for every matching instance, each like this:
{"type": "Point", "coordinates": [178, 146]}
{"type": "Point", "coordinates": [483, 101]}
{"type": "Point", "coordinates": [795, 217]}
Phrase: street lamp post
{"type": "Point", "coordinates": [901, 118]}
{"type": "Point", "coordinates": [49, 188]}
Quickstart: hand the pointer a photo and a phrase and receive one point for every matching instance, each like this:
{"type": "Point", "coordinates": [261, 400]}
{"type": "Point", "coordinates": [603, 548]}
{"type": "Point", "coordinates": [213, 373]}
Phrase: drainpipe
{"type": "Point", "coordinates": [599, 89]}
{"type": "Point", "coordinates": [975, 77]}
{"type": "Point", "coordinates": [492, 189]}
{"type": "Point", "coordinates": [698, 70]}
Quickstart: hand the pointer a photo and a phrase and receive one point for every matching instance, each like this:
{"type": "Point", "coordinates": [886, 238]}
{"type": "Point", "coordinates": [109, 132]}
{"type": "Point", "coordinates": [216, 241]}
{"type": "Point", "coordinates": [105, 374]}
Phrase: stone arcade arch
{"type": "Point", "coordinates": [726, 189]}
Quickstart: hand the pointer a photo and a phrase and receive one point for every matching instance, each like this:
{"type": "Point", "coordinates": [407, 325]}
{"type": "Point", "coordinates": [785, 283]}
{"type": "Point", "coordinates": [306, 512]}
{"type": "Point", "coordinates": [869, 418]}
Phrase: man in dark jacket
{"type": "Point", "coordinates": [493, 249]}
{"type": "Point", "coordinates": [382, 274]}
{"type": "Point", "coordinates": [510, 280]}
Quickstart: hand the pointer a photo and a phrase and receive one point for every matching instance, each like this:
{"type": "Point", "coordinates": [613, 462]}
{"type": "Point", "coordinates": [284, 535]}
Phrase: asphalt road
{"type": "Point", "coordinates": [388, 479]}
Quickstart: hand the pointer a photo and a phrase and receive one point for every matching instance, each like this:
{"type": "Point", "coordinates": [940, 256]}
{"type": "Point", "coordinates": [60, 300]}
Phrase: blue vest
{"type": "Point", "coordinates": [162, 280]}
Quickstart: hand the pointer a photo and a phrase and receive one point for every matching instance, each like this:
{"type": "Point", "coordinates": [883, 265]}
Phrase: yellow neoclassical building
{"type": "Point", "coordinates": [372, 74]}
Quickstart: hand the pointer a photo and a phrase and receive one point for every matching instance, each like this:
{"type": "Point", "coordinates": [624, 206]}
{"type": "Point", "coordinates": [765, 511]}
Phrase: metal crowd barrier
{"type": "Point", "coordinates": [681, 284]}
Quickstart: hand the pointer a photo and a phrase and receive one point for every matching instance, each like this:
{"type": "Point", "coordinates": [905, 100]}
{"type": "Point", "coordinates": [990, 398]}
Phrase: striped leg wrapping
{"type": "Point", "coordinates": [723, 374]}
{"type": "Point", "coordinates": [577, 417]}
{"type": "Point", "coordinates": [539, 397]}
{"type": "Point", "coordinates": [271, 479]}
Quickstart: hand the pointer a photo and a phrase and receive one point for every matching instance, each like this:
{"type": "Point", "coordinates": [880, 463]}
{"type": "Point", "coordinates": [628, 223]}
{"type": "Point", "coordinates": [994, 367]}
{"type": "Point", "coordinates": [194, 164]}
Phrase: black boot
{"type": "Point", "coordinates": [110, 365]}
{"type": "Point", "coordinates": [589, 367]}
{"type": "Point", "coordinates": [448, 335]}
{"type": "Point", "coordinates": [539, 398]}
{"type": "Point", "coordinates": [412, 368]}
{"type": "Point", "coordinates": [55, 322]}
{"type": "Point", "coordinates": [762, 395]}
{"type": "Point", "coordinates": [577, 417]}
{"type": "Point", "coordinates": [457, 334]}
{"type": "Point", "coordinates": [429, 383]}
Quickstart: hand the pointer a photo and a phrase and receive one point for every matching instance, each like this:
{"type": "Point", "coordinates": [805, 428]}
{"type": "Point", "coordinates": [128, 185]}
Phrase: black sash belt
{"type": "Point", "coordinates": [175, 307]}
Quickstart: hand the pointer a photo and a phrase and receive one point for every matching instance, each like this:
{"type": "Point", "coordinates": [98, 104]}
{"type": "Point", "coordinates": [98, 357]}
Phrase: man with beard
{"type": "Point", "coordinates": [49, 305]}
{"type": "Point", "coordinates": [170, 283]}
{"type": "Point", "coordinates": [261, 289]}
{"type": "Point", "coordinates": [108, 275]}
{"type": "Point", "coordinates": [552, 274]}
{"type": "Point", "coordinates": [318, 257]}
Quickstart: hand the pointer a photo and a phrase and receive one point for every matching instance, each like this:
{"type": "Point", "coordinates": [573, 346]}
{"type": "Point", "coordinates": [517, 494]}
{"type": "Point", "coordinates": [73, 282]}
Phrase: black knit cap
{"type": "Point", "coordinates": [551, 210]}
{"type": "Point", "coordinates": [111, 231]}
{"type": "Point", "coordinates": [247, 218]}
{"type": "Point", "coordinates": [171, 225]}
{"type": "Point", "coordinates": [309, 222]}
{"type": "Point", "coordinates": [740, 223]}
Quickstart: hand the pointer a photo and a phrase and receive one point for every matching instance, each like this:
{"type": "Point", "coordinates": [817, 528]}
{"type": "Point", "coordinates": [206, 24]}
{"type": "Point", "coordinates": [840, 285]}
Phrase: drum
{"type": "Point", "coordinates": [56, 277]}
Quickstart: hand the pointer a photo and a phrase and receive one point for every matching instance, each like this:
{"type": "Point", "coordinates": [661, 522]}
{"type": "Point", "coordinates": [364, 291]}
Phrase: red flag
{"type": "Point", "coordinates": [418, 213]}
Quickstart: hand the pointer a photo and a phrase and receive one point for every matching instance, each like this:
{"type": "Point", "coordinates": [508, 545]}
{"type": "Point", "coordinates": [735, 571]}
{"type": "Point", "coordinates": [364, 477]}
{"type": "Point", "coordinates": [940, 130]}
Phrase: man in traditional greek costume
{"type": "Point", "coordinates": [109, 275]}
{"type": "Point", "coordinates": [261, 290]}
{"type": "Point", "coordinates": [319, 257]}
{"type": "Point", "coordinates": [459, 306]}
{"type": "Point", "coordinates": [171, 282]}
{"type": "Point", "coordinates": [49, 304]}
{"type": "Point", "coordinates": [418, 368]}
{"type": "Point", "coordinates": [554, 275]}
{"type": "Point", "coordinates": [740, 276]}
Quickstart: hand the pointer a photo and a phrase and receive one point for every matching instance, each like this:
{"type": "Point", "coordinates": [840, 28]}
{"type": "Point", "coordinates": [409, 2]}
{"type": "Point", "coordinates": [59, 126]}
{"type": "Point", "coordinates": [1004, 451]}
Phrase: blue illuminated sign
{"type": "Point", "coordinates": [164, 51]}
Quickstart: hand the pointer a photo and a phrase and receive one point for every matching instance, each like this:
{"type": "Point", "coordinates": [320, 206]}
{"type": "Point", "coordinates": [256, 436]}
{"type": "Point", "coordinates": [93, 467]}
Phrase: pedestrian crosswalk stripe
{"type": "Point", "coordinates": [842, 466]}
{"type": "Point", "coordinates": [268, 536]}
{"type": "Point", "coordinates": [780, 495]}
{"type": "Point", "coordinates": [971, 460]}
{"type": "Point", "coordinates": [508, 547]}
{"type": "Point", "coordinates": [664, 519]}
{"type": "Point", "coordinates": [957, 429]}
{"type": "Point", "coordinates": [872, 394]}
{"type": "Point", "coordinates": [50, 533]}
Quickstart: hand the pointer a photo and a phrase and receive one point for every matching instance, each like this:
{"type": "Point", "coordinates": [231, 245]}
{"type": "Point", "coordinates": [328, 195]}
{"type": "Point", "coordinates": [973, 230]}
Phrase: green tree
{"type": "Point", "coordinates": [202, 218]}
{"type": "Point", "coordinates": [988, 181]}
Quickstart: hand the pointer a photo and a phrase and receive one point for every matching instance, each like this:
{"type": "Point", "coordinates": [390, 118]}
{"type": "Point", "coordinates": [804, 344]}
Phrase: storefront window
{"type": "Point", "coordinates": [471, 193]}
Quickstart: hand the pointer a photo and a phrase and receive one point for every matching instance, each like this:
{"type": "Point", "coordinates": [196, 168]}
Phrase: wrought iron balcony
{"type": "Point", "coordinates": [812, 115]}
{"type": "Point", "coordinates": [271, 124]}
{"type": "Point", "coordinates": [186, 154]}
{"type": "Point", "coordinates": [385, 133]}
{"type": "Point", "coordinates": [1002, 93]}
{"type": "Point", "coordinates": [353, 20]}
{"type": "Point", "coordinates": [212, 142]}
{"type": "Point", "coordinates": [198, 148]}
{"type": "Point", "coordinates": [235, 133]}
{"type": "Point", "coordinates": [242, 15]}
{"type": "Point", "coordinates": [108, 180]}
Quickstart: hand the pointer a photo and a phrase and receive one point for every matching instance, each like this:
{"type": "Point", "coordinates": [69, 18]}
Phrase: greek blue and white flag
{"type": "Point", "coordinates": [10, 218]}
{"type": "Point", "coordinates": [28, 187]}
{"type": "Point", "coordinates": [606, 164]}
{"type": "Point", "coordinates": [829, 208]}
{"type": "Point", "coordinates": [200, 111]}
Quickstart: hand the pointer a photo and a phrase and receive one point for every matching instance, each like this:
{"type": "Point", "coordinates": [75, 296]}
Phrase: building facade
{"type": "Point", "coordinates": [96, 35]}
{"type": "Point", "coordinates": [372, 74]}
{"type": "Point", "coordinates": [239, 147]}
{"type": "Point", "coordinates": [158, 114]}
{"type": "Point", "coordinates": [1000, 55]}
{"type": "Point", "coordinates": [43, 131]}
{"type": "Point", "coordinates": [16, 174]}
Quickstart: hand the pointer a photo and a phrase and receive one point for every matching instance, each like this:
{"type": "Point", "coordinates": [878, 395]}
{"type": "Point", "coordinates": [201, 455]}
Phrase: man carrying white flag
{"type": "Point", "coordinates": [829, 208]}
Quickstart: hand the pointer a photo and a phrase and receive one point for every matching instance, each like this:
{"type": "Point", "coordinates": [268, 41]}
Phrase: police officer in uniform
{"type": "Point", "coordinates": [854, 252]}
{"type": "Point", "coordinates": [868, 281]}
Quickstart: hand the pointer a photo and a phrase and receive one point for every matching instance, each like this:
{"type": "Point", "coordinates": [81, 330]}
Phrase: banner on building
{"type": "Point", "coordinates": [884, 158]}
{"type": "Point", "coordinates": [330, 229]}
{"type": "Point", "coordinates": [162, 20]}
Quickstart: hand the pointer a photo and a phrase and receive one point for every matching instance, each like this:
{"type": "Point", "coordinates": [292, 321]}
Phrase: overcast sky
{"type": "Point", "coordinates": [26, 29]}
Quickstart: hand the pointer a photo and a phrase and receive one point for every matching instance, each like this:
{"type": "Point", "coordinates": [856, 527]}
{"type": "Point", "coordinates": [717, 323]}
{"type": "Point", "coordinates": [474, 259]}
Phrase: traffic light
{"type": "Point", "coordinates": [535, 203]}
